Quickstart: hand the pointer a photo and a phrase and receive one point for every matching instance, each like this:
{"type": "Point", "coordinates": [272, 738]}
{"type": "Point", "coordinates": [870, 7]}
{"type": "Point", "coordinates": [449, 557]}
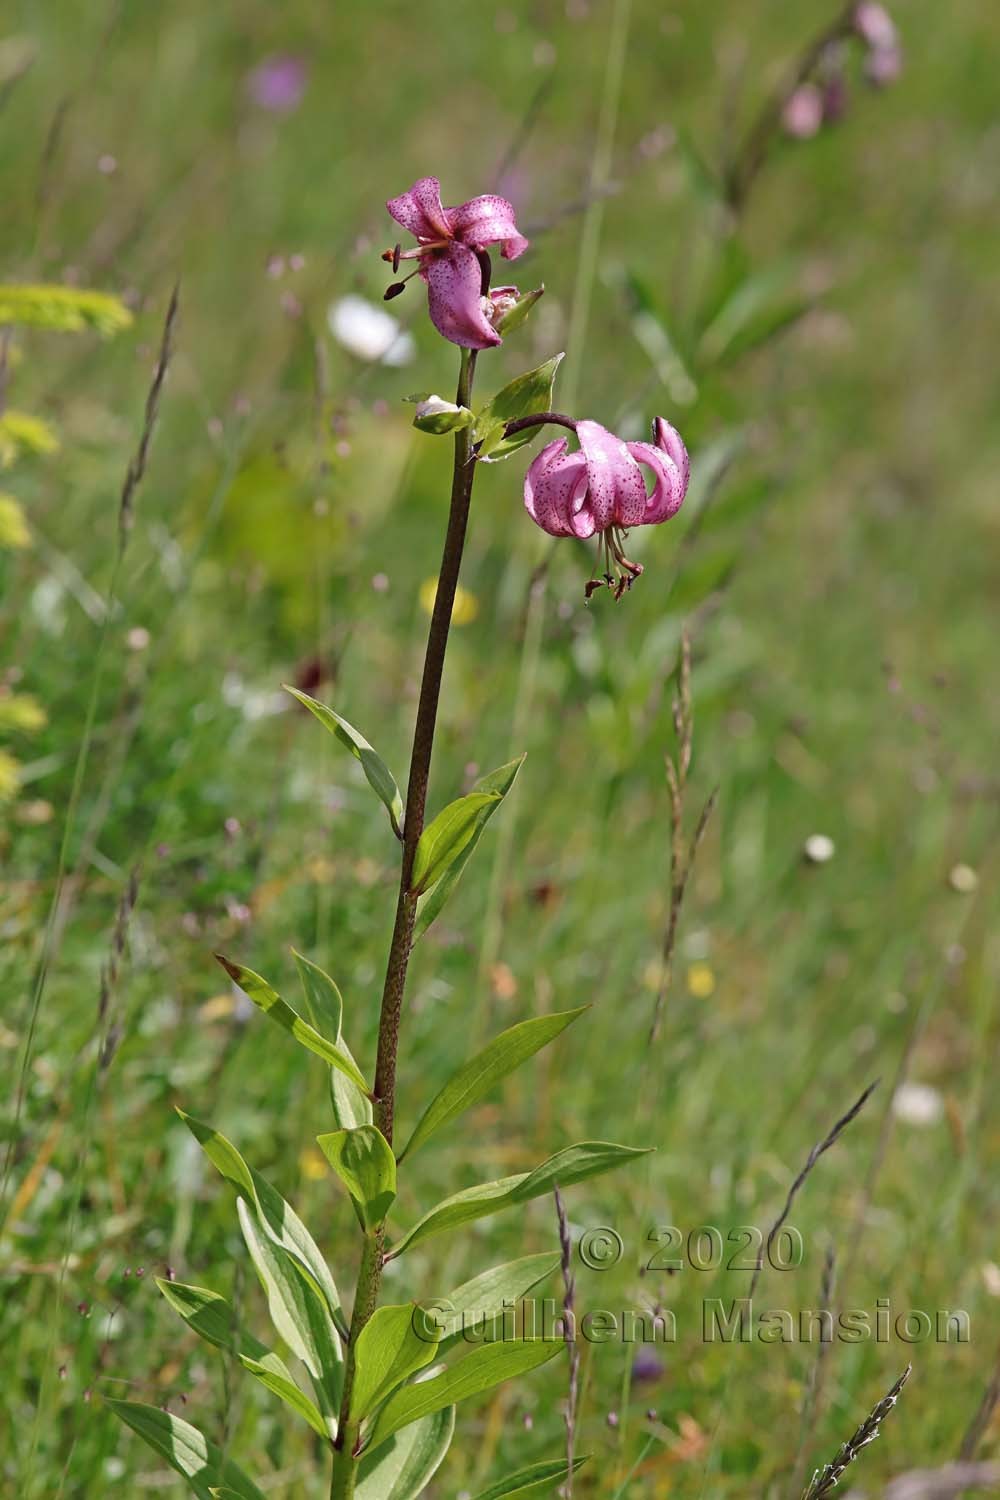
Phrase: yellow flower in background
{"type": "Point", "coordinates": [466, 604]}
{"type": "Point", "coordinates": [700, 981]}
{"type": "Point", "coordinates": [21, 712]}
{"type": "Point", "coordinates": [313, 1164]}
{"type": "Point", "coordinates": [10, 778]}
{"type": "Point", "coordinates": [14, 532]}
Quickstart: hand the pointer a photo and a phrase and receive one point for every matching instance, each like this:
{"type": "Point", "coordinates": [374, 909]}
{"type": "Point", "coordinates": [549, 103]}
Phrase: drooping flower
{"type": "Point", "coordinates": [450, 242]}
{"type": "Point", "coordinates": [601, 489]}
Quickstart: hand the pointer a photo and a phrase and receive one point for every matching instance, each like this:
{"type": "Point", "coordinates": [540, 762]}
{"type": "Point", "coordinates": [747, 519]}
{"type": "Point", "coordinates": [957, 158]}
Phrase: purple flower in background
{"type": "Point", "coordinates": [449, 242]}
{"type": "Point", "coordinates": [601, 489]}
{"type": "Point", "coordinates": [279, 83]}
{"type": "Point", "coordinates": [802, 115]}
{"type": "Point", "coordinates": [883, 65]}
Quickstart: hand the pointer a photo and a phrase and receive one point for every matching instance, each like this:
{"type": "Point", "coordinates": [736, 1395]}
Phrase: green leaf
{"type": "Point", "coordinates": [362, 1158]}
{"type": "Point", "coordinates": [437, 416]}
{"type": "Point", "coordinates": [477, 1305]}
{"type": "Point", "coordinates": [212, 1317]}
{"type": "Point", "coordinates": [270, 1002]}
{"type": "Point", "coordinates": [325, 1007]}
{"type": "Point", "coordinates": [403, 1466]}
{"type": "Point", "coordinates": [299, 1314]}
{"type": "Point", "coordinates": [278, 1219]}
{"type": "Point", "coordinates": [200, 1462]}
{"type": "Point", "coordinates": [282, 1384]}
{"type": "Point", "coordinates": [64, 309]}
{"type": "Point", "coordinates": [536, 1479]}
{"type": "Point", "coordinates": [523, 397]}
{"type": "Point", "coordinates": [443, 840]}
{"type": "Point", "coordinates": [574, 1164]}
{"type": "Point", "coordinates": [431, 903]}
{"type": "Point", "coordinates": [391, 1348]}
{"type": "Point", "coordinates": [380, 778]}
{"type": "Point", "coordinates": [479, 1075]}
{"type": "Point", "coordinates": [759, 307]}
{"type": "Point", "coordinates": [480, 1371]}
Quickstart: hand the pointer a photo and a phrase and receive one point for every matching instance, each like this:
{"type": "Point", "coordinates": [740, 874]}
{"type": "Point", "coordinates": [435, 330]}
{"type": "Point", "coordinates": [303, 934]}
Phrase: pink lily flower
{"type": "Point", "coordinates": [449, 244]}
{"type": "Point", "coordinates": [601, 489]}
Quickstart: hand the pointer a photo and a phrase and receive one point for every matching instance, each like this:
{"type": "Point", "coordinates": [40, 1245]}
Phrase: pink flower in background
{"type": "Point", "coordinates": [279, 83]}
{"type": "Point", "coordinates": [449, 242]}
{"type": "Point", "coordinates": [876, 28]}
{"type": "Point", "coordinates": [601, 489]}
{"type": "Point", "coordinates": [802, 115]}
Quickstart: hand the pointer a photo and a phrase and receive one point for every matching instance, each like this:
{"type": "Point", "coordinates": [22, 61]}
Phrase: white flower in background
{"type": "Point", "coordinates": [991, 1277]}
{"type": "Point", "coordinates": [369, 331]}
{"type": "Point", "coordinates": [818, 849]}
{"type": "Point", "coordinates": [917, 1104]}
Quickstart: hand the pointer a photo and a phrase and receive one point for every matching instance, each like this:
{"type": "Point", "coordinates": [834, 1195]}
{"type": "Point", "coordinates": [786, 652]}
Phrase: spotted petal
{"type": "Point", "coordinates": [617, 492]}
{"type": "Point", "coordinates": [487, 220]}
{"type": "Point", "coordinates": [668, 488]}
{"type": "Point", "coordinates": [420, 210]}
{"type": "Point", "coordinates": [454, 290]}
{"type": "Point", "coordinates": [555, 492]}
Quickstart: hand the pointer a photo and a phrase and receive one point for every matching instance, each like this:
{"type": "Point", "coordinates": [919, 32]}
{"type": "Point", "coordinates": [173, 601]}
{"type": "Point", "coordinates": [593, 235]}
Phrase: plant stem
{"type": "Point", "coordinates": [370, 1270]}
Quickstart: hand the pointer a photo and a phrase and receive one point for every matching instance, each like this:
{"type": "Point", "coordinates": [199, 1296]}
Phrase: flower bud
{"type": "Point", "coordinates": [438, 416]}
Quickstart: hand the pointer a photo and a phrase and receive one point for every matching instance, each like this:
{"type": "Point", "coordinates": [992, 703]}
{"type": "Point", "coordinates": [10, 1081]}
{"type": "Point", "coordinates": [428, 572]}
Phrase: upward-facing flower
{"type": "Point", "coordinates": [450, 242]}
{"type": "Point", "coordinates": [601, 489]}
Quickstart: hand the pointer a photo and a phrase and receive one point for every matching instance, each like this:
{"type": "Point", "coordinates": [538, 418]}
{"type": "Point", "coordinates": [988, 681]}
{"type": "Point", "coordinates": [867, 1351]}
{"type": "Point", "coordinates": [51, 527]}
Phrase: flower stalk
{"type": "Point", "coordinates": [401, 943]}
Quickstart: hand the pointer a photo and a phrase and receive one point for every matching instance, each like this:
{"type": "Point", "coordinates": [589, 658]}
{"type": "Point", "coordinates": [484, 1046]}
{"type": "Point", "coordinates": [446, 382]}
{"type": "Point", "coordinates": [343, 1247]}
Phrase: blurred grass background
{"type": "Point", "coordinates": [835, 563]}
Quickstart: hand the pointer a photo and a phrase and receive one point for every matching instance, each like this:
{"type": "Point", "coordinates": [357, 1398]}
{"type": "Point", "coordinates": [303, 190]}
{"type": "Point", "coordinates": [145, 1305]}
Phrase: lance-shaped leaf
{"type": "Point", "coordinates": [270, 1002]}
{"type": "Point", "coordinates": [536, 1479]}
{"type": "Point", "coordinates": [363, 1160]}
{"type": "Point", "coordinates": [443, 840]}
{"type": "Point", "coordinates": [392, 1346]}
{"type": "Point", "coordinates": [299, 1314]}
{"type": "Point", "coordinates": [478, 1076]}
{"type": "Point", "coordinates": [476, 1306]}
{"type": "Point", "coordinates": [480, 1371]}
{"type": "Point", "coordinates": [403, 1466]}
{"type": "Point", "coordinates": [187, 1450]}
{"type": "Point", "coordinates": [525, 396]}
{"type": "Point", "coordinates": [380, 778]}
{"type": "Point", "coordinates": [430, 904]}
{"type": "Point", "coordinates": [574, 1164]}
{"type": "Point", "coordinates": [212, 1317]}
{"type": "Point", "coordinates": [278, 1219]}
{"type": "Point", "coordinates": [325, 1008]}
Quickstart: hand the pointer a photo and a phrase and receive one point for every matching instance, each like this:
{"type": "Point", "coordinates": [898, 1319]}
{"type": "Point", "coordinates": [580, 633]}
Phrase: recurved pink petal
{"type": "Point", "coordinates": [555, 492]}
{"type": "Point", "coordinates": [617, 491]}
{"type": "Point", "coordinates": [454, 293]}
{"type": "Point", "coordinates": [669, 439]}
{"type": "Point", "coordinates": [420, 210]}
{"type": "Point", "coordinates": [668, 488]}
{"type": "Point", "coordinates": [487, 221]}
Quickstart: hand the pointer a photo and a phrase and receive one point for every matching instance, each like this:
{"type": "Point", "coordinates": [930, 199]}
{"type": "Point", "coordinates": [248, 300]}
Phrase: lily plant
{"type": "Point", "coordinates": [384, 1378]}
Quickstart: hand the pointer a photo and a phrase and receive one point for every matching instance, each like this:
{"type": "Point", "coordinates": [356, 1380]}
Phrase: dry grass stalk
{"type": "Point", "coordinates": [824, 1480]}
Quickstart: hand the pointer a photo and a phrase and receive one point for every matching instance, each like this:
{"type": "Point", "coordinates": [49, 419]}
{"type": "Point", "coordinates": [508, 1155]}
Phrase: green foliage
{"type": "Point", "coordinates": [276, 1218]}
{"type": "Point", "coordinates": [63, 309]}
{"type": "Point", "coordinates": [380, 778]}
{"type": "Point", "coordinates": [524, 396]}
{"type": "Point", "coordinates": [300, 1315]}
{"type": "Point", "coordinates": [482, 1072]}
{"type": "Point", "coordinates": [480, 1371]}
{"type": "Point", "coordinates": [574, 1164]}
{"type": "Point", "coordinates": [351, 1107]}
{"type": "Point", "coordinates": [431, 903]}
{"type": "Point", "coordinates": [200, 1462]}
{"type": "Point", "coordinates": [391, 1348]}
{"type": "Point", "coordinates": [362, 1158]}
{"type": "Point", "coordinates": [477, 1306]}
{"type": "Point", "coordinates": [446, 838]}
{"type": "Point", "coordinates": [270, 1002]}
{"type": "Point", "coordinates": [536, 1479]}
{"type": "Point", "coordinates": [402, 1466]}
